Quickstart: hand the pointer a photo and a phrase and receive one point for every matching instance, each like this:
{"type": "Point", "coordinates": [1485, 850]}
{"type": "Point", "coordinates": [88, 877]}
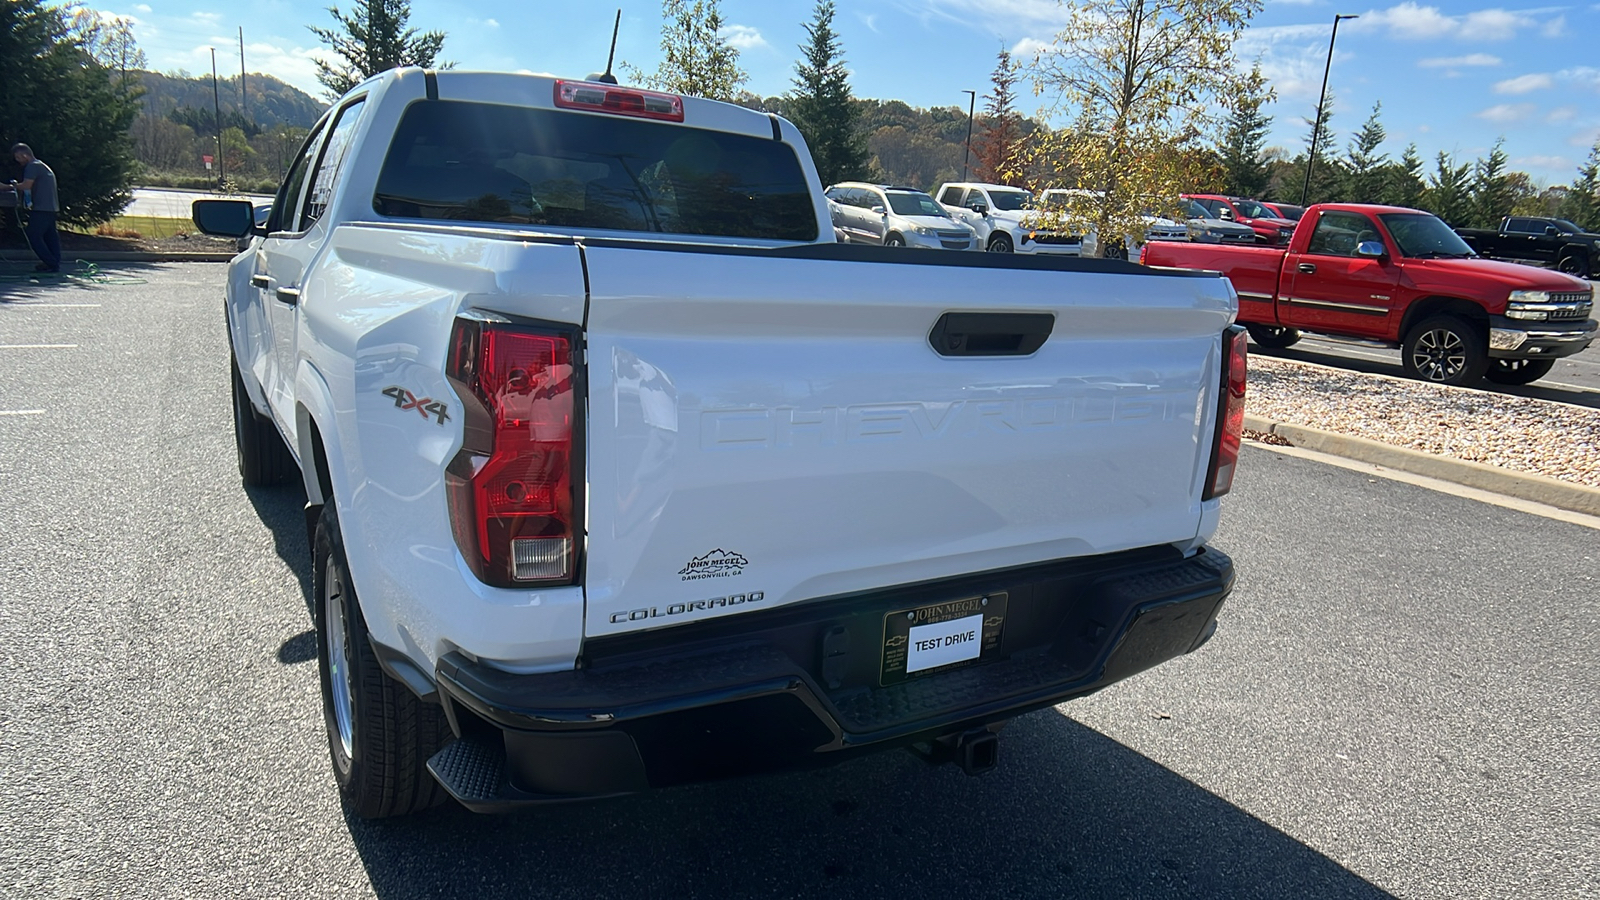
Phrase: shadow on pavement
{"type": "Point", "coordinates": [1070, 812]}
{"type": "Point", "coordinates": [282, 510]}
{"type": "Point", "coordinates": [1536, 390]}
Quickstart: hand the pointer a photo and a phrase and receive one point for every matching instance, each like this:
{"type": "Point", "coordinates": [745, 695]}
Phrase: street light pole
{"type": "Point", "coordinates": [1316, 126]}
{"type": "Point", "coordinates": [972, 107]}
{"type": "Point", "coordinates": [216, 101]}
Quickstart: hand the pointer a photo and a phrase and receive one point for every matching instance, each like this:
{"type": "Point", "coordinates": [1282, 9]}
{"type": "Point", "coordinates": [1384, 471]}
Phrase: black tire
{"type": "Point", "coordinates": [1445, 349]}
{"type": "Point", "coordinates": [263, 457]}
{"type": "Point", "coordinates": [1575, 262]}
{"type": "Point", "coordinates": [1273, 337]}
{"type": "Point", "coordinates": [1000, 243]}
{"type": "Point", "coordinates": [383, 771]}
{"type": "Point", "coordinates": [1518, 371]}
{"type": "Point", "coordinates": [1115, 251]}
{"type": "Point", "coordinates": [894, 240]}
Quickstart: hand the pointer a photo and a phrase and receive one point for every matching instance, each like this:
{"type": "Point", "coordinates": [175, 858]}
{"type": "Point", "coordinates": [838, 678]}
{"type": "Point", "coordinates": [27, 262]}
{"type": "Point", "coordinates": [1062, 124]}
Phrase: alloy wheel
{"type": "Point", "coordinates": [340, 685]}
{"type": "Point", "coordinates": [1440, 355]}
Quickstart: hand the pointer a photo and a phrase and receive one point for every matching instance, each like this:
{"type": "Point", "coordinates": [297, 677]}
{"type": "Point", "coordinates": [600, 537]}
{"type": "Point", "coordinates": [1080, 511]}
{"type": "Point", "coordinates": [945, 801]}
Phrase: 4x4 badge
{"type": "Point", "coordinates": [425, 406]}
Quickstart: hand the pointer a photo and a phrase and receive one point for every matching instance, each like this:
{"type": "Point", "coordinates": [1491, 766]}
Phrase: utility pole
{"type": "Point", "coordinates": [244, 99]}
{"type": "Point", "coordinates": [216, 100]}
{"type": "Point", "coordinates": [1316, 126]}
{"type": "Point", "coordinates": [972, 108]}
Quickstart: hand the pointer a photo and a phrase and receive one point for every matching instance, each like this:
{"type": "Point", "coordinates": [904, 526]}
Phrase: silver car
{"type": "Point", "coordinates": [895, 217]}
{"type": "Point", "coordinates": [1205, 228]}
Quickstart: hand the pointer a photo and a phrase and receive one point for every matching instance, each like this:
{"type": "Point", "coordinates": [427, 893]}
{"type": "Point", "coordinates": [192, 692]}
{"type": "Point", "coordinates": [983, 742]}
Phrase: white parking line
{"type": "Point", "coordinates": [49, 305]}
{"type": "Point", "coordinates": [21, 412]}
{"type": "Point", "coordinates": [38, 346]}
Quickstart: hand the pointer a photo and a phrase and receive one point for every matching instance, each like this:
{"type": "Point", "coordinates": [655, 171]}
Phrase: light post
{"type": "Point", "coordinates": [1316, 126]}
{"type": "Point", "coordinates": [972, 107]}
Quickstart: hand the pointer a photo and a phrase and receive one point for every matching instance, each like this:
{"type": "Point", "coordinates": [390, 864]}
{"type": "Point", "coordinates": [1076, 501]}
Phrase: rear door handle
{"type": "Point", "coordinates": [1306, 269]}
{"type": "Point", "coordinates": [990, 334]}
{"type": "Point", "coordinates": [259, 281]}
{"type": "Point", "coordinates": [289, 295]}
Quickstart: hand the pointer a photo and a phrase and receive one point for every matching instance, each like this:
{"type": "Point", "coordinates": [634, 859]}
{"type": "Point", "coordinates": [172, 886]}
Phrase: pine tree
{"type": "Point", "coordinates": [1582, 206]}
{"type": "Point", "coordinates": [1492, 194]}
{"type": "Point", "coordinates": [1448, 195]}
{"type": "Point", "coordinates": [61, 101]}
{"type": "Point", "coordinates": [1364, 165]}
{"type": "Point", "coordinates": [999, 138]}
{"type": "Point", "coordinates": [820, 103]}
{"type": "Point", "coordinates": [372, 39]}
{"type": "Point", "coordinates": [1245, 137]}
{"type": "Point", "coordinates": [1402, 181]}
{"type": "Point", "coordinates": [1324, 180]}
{"type": "Point", "coordinates": [696, 59]}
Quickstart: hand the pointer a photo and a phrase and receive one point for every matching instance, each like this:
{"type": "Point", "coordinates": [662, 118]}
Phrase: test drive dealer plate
{"type": "Point", "coordinates": [941, 636]}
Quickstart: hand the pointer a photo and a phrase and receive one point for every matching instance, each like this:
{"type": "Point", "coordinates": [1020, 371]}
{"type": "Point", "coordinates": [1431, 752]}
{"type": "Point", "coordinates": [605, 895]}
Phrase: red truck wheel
{"type": "Point", "coordinates": [1518, 371]}
{"type": "Point", "coordinates": [1273, 337]}
{"type": "Point", "coordinates": [1445, 350]}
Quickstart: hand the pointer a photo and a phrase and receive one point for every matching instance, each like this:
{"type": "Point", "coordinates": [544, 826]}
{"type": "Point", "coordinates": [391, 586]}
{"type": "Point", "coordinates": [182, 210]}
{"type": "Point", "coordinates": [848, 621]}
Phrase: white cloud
{"type": "Point", "coordinates": [743, 37]}
{"type": "Point", "coordinates": [870, 20]}
{"type": "Point", "coordinates": [1555, 27]}
{"type": "Point", "coordinates": [1540, 162]}
{"type": "Point", "coordinates": [1026, 49]}
{"type": "Point", "coordinates": [491, 23]}
{"type": "Point", "coordinates": [1455, 62]}
{"type": "Point", "coordinates": [1507, 113]}
{"type": "Point", "coordinates": [1412, 21]}
{"type": "Point", "coordinates": [1524, 84]}
{"type": "Point", "coordinates": [209, 18]}
{"type": "Point", "coordinates": [142, 7]}
{"type": "Point", "coordinates": [1562, 114]}
{"type": "Point", "coordinates": [1585, 75]}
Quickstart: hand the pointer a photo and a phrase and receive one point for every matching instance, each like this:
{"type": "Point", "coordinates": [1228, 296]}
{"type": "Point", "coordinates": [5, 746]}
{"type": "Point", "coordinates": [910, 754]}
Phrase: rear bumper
{"type": "Point", "coordinates": [1513, 339]}
{"type": "Point", "coordinates": [797, 687]}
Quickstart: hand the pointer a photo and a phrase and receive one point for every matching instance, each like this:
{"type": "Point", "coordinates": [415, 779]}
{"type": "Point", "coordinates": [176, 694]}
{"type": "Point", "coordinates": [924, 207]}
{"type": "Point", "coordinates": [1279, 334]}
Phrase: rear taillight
{"type": "Point", "coordinates": [511, 487]}
{"type": "Point", "coordinates": [596, 97]}
{"type": "Point", "coordinates": [1230, 415]}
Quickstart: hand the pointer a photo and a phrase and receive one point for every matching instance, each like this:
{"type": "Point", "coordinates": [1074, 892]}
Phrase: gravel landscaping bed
{"type": "Point", "coordinates": [1520, 433]}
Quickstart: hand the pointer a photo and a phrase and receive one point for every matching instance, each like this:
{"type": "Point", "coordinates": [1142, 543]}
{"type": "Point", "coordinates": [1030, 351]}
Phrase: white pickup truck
{"type": "Point", "coordinates": [1005, 219]}
{"type": "Point", "coordinates": [622, 473]}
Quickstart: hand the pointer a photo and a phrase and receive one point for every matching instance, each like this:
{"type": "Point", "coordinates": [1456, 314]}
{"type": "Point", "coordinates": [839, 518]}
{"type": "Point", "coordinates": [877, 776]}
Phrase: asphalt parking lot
{"type": "Point", "coordinates": [1402, 700]}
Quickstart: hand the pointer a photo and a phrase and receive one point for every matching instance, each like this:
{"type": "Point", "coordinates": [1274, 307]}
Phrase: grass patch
{"type": "Point", "coordinates": [153, 227]}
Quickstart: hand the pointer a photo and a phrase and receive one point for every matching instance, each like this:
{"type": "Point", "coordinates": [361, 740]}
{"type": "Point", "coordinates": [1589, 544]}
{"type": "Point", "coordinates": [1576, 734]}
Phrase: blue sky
{"type": "Point", "coordinates": [1451, 76]}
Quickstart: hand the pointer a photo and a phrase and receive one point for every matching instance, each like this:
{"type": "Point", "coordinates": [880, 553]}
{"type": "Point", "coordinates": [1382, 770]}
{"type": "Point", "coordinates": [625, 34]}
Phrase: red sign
{"type": "Point", "coordinates": [206, 159]}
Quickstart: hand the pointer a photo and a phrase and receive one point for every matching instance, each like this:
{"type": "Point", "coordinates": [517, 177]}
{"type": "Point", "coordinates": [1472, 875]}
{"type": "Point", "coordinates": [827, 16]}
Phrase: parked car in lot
{"type": "Point", "coordinates": [1270, 228]}
{"type": "Point", "coordinates": [1402, 277]}
{"type": "Point", "coordinates": [1004, 219]}
{"type": "Point", "coordinates": [1206, 228]}
{"type": "Point", "coordinates": [1285, 210]}
{"type": "Point", "coordinates": [1535, 239]}
{"type": "Point", "coordinates": [623, 474]}
{"type": "Point", "coordinates": [895, 217]}
{"type": "Point", "coordinates": [1156, 228]}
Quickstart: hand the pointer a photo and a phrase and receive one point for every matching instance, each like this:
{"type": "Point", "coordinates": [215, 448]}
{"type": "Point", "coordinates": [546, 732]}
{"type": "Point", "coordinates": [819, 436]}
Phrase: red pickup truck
{"type": "Point", "coordinates": [1403, 278]}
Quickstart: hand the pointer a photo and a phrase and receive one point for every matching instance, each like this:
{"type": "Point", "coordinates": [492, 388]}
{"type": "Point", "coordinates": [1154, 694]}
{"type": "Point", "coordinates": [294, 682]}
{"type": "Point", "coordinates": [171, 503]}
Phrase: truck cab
{"type": "Point", "coordinates": [1004, 219]}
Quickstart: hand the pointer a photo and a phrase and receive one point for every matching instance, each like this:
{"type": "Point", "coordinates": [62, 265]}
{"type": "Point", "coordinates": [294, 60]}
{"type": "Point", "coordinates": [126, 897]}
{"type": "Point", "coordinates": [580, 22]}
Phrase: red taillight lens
{"type": "Point", "coordinates": [606, 98]}
{"type": "Point", "coordinates": [511, 487]}
{"type": "Point", "coordinates": [1230, 415]}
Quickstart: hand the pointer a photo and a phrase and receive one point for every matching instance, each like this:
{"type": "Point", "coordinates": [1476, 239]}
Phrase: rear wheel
{"type": "Point", "coordinates": [380, 735]}
{"type": "Point", "coordinates": [894, 240]}
{"type": "Point", "coordinates": [1273, 337]}
{"type": "Point", "coordinates": [1000, 243]}
{"type": "Point", "coordinates": [1445, 350]}
{"type": "Point", "coordinates": [1518, 371]}
{"type": "Point", "coordinates": [263, 457]}
{"type": "Point", "coordinates": [1574, 263]}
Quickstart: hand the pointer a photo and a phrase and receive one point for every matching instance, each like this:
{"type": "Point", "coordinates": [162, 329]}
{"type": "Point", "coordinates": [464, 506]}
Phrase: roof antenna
{"type": "Point", "coordinates": [606, 77]}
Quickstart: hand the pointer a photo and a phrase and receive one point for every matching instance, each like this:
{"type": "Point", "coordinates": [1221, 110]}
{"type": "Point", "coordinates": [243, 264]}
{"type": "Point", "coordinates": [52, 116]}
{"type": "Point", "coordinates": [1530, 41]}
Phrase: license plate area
{"type": "Point", "coordinates": [923, 640]}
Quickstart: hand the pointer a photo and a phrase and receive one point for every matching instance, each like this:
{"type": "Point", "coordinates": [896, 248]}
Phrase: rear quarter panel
{"type": "Point", "coordinates": [1254, 271]}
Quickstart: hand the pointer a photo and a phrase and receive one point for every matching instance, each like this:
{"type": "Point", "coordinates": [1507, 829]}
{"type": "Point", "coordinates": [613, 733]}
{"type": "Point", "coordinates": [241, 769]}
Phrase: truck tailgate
{"type": "Point", "coordinates": [766, 428]}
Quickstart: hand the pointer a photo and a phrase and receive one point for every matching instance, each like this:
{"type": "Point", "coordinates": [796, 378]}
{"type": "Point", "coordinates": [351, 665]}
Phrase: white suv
{"type": "Point", "coordinates": [895, 217]}
{"type": "Point", "coordinates": [1003, 217]}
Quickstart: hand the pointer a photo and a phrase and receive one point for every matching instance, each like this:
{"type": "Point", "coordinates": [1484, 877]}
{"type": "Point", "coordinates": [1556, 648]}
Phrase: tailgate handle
{"type": "Point", "coordinates": [1307, 269]}
{"type": "Point", "coordinates": [289, 295]}
{"type": "Point", "coordinates": [990, 334]}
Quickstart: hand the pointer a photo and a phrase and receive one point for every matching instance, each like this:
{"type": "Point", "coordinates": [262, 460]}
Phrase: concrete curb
{"type": "Point", "coordinates": [1536, 488]}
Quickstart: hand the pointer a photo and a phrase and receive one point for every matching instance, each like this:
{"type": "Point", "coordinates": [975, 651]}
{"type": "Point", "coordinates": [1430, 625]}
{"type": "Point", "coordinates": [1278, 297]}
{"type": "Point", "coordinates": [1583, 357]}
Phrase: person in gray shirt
{"type": "Point", "coordinates": [38, 179]}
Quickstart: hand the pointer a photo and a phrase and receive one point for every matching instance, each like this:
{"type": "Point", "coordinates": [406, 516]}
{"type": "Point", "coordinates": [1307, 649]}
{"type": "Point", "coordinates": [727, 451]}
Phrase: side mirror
{"type": "Point", "coordinates": [879, 211]}
{"type": "Point", "coordinates": [224, 218]}
{"type": "Point", "coordinates": [979, 207]}
{"type": "Point", "coordinates": [1225, 214]}
{"type": "Point", "coordinates": [1371, 249]}
{"type": "Point", "coordinates": [1552, 231]}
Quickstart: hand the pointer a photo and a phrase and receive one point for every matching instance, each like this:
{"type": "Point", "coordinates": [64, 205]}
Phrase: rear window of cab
{"type": "Point", "coordinates": [482, 162]}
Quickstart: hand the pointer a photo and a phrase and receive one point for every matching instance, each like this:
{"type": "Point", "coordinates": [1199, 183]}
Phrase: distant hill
{"type": "Point", "coordinates": [270, 102]}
